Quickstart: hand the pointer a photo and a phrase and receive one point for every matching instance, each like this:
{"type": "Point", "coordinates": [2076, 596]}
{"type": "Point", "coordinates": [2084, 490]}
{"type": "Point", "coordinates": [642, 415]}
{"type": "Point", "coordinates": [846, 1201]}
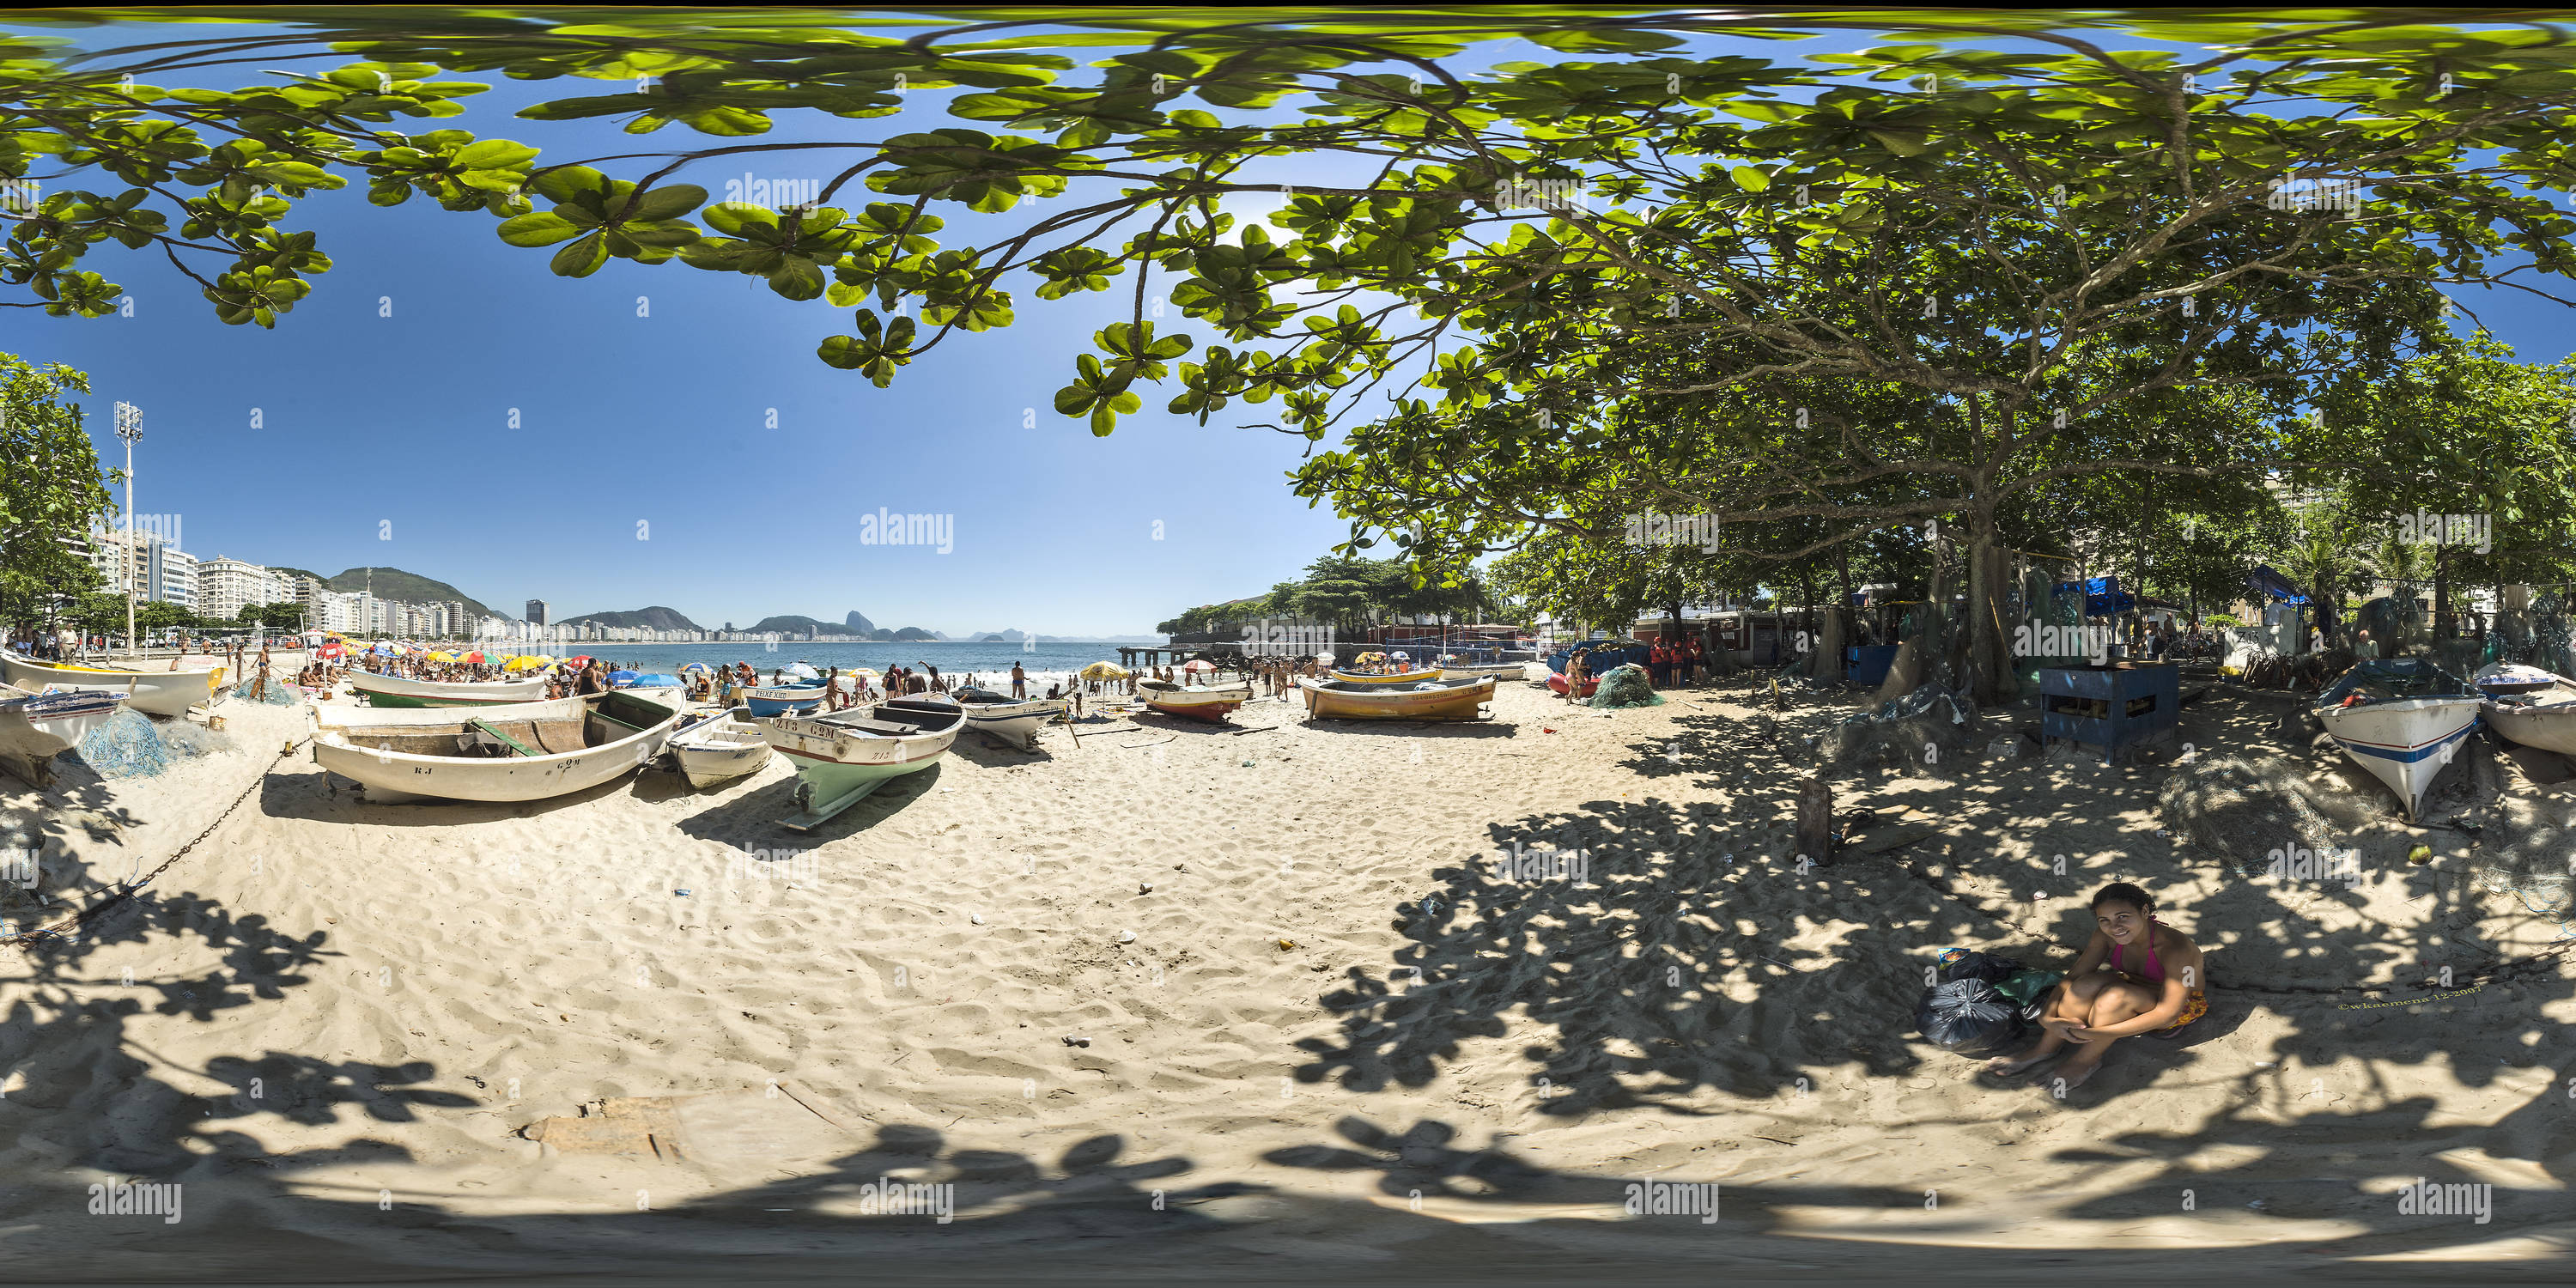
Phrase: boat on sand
{"type": "Point", "coordinates": [395, 691]}
{"type": "Point", "coordinates": [2533, 715]}
{"type": "Point", "coordinates": [36, 727]}
{"type": "Point", "coordinates": [1430, 699]}
{"type": "Point", "coordinates": [1013, 721]}
{"type": "Point", "coordinates": [160, 693]}
{"type": "Point", "coordinates": [842, 757]}
{"type": "Point", "coordinates": [722, 747]}
{"type": "Point", "coordinates": [528, 751]}
{"type": "Point", "coordinates": [2403, 720]}
{"type": "Point", "coordinates": [1198, 702]}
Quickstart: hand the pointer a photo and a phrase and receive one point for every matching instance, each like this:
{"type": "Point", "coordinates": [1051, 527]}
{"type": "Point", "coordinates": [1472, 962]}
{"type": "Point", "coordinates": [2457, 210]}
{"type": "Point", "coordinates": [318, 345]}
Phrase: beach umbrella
{"type": "Point", "coordinates": [803, 671]}
{"type": "Point", "coordinates": [474, 658]}
{"type": "Point", "coordinates": [1325, 656]}
{"type": "Point", "coordinates": [1403, 656]}
{"type": "Point", "coordinates": [583, 660]}
{"type": "Point", "coordinates": [621, 678]}
{"type": "Point", "coordinates": [653, 681]}
{"type": "Point", "coordinates": [1200, 665]}
{"type": "Point", "coordinates": [1103, 671]}
{"type": "Point", "coordinates": [700, 668]}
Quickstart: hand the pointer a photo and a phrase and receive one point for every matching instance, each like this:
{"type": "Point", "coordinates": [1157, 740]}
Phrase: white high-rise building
{"type": "Point", "coordinates": [226, 586]}
{"type": "Point", "coordinates": [155, 567]}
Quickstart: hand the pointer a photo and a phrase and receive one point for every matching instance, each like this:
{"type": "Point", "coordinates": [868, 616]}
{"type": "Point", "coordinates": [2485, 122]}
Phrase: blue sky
{"type": "Point", "coordinates": [384, 435]}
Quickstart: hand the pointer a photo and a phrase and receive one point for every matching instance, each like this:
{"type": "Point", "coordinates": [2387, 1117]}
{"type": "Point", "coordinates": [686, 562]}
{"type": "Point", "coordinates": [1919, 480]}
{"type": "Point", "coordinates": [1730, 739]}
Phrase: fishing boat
{"type": "Point", "coordinates": [2401, 719]}
{"type": "Point", "coordinates": [36, 727]}
{"type": "Point", "coordinates": [1484, 670]}
{"type": "Point", "coordinates": [1371, 677]}
{"type": "Point", "coordinates": [395, 691]}
{"type": "Point", "coordinates": [1556, 684]}
{"type": "Point", "coordinates": [528, 751]}
{"type": "Point", "coordinates": [1428, 699]}
{"type": "Point", "coordinates": [2513, 677]}
{"type": "Point", "coordinates": [160, 693]}
{"type": "Point", "coordinates": [2542, 716]}
{"type": "Point", "coordinates": [794, 698]}
{"type": "Point", "coordinates": [1013, 721]}
{"type": "Point", "coordinates": [1199, 702]}
{"type": "Point", "coordinates": [721, 747]}
{"type": "Point", "coordinates": [842, 757]}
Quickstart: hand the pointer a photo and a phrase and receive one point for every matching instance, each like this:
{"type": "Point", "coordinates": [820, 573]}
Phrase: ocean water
{"type": "Point", "coordinates": [975, 659]}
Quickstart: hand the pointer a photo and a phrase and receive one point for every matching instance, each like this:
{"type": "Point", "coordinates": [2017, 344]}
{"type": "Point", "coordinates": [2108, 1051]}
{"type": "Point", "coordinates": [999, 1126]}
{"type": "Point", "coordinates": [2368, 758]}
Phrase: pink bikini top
{"type": "Point", "coordinates": [2154, 971]}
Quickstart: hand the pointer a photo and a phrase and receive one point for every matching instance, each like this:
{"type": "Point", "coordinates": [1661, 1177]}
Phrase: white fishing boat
{"type": "Point", "coordinates": [2542, 716]}
{"type": "Point", "coordinates": [1503, 671]}
{"type": "Point", "coordinates": [722, 747]}
{"type": "Point", "coordinates": [2403, 720]}
{"type": "Point", "coordinates": [1014, 721]}
{"type": "Point", "coordinates": [527, 751]}
{"type": "Point", "coordinates": [1434, 698]}
{"type": "Point", "coordinates": [395, 691]}
{"type": "Point", "coordinates": [2513, 677]}
{"type": "Point", "coordinates": [36, 727]}
{"type": "Point", "coordinates": [160, 693]}
{"type": "Point", "coordinates": [843, 756]}
{"type": "Point", "coordinates": [1198, 702]}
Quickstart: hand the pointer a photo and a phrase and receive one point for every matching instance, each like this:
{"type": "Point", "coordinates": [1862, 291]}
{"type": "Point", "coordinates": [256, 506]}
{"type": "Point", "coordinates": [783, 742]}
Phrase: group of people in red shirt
{"type": "Point", "coordinates": [1677, 662]}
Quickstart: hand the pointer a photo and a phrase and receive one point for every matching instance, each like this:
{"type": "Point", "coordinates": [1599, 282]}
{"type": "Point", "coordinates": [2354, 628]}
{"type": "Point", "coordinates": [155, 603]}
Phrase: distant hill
{"type": "Point", "coordinates": [410, 587]}
{"type": "Point", "coordinates": [655, 618]}
{"type": "Point", "coordinates": [794, 624]}
{"type": "Point", "coordinates": [297, 573]}
{"type": "Point", "coordinates": [915, 635]}
{"type": "Point", "coordinates": [858, 622]}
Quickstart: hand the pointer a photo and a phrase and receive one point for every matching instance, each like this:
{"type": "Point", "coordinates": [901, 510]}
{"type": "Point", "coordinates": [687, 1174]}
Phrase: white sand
{"type": "Point", "coordinates": [414, 985]}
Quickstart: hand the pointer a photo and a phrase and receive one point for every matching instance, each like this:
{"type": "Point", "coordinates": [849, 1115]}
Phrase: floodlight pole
{"type": "Point", "coordinates": [129, 426]}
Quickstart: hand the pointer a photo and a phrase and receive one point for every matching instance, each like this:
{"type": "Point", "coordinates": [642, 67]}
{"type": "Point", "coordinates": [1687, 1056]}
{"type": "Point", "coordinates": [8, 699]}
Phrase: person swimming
{"type": "Point", "coordinates": [2137, 975]}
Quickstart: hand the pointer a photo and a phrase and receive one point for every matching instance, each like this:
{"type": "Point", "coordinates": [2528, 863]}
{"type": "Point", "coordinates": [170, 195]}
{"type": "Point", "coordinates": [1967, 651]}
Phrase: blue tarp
{"type": "Point", "coordinates": [2264, 581]}
{"type": "Point", "coordinates": [2102, 596]}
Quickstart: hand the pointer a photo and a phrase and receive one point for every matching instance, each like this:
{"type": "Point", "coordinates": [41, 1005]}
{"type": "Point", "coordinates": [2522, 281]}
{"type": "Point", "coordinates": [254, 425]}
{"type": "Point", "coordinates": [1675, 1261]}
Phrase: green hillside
{"type": "Point", "coordinates": [410, 587]}
{"type": "Point", "coordinates": [656, 618]}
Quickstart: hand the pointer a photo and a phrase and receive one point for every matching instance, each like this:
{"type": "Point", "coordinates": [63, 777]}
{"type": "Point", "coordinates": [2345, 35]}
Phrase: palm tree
{"type": "Point", "coordinates": [2320, 563]}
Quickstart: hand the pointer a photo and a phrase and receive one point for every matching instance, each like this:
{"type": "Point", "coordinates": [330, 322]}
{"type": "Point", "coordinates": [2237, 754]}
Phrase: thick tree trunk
{"type": "Point", "coordinates": [2441, 593]}
{"type": "Point", "coordinates": [1990, 674]}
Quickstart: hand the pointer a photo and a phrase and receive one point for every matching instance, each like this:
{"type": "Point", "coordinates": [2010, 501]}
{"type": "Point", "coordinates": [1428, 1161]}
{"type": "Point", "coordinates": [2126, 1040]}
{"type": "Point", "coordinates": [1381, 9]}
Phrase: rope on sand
{"type": "Point", "coordinates": [126, 890]}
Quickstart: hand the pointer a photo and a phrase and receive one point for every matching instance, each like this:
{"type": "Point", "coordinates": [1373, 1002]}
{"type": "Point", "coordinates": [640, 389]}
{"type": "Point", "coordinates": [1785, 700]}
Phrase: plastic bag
{"type": "Point", "coordinates": [2027, 989]}
{"type": "Point", "coordinates": [1968, 1017]}
{"type": "Point", "coordinates": [1960, 963]}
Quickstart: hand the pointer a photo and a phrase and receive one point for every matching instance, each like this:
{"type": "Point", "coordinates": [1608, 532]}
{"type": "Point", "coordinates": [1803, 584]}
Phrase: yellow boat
{"type": "Point", "coordinates": [162, 693]}
{"type": "Point", "coordinates": [1426, 698]}
{"type": "Point", "coordinates": [1362, 677]}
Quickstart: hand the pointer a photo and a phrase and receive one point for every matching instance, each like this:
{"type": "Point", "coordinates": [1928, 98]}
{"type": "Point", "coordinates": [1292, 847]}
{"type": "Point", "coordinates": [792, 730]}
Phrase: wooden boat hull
{"type": "Point", "coordinates": [2404, 744]}
{"type": "Point", "coordinates": [1363, 677]}
{"type": "Point", "coordinates": [366, 744]}
{"type": "Point", "coordinates": [35, 728]}
{"type": "Point", "coordinates": [2502, 678]}
{"type": "Point", "coordinates": [721, 748]}
{"type": "Point", "coordinates": [2545, 719]}
{"type": "Point", "coordinates": [771, 700]}
{"type": "Point", "coordinates": [1556, 683]}
{"type": "Point", "coordinates": [395, 691]}
{"type": "Point", "coordinates": [1427, 700]}
{"type": "Point", "coordinates": [1016, 723]}
{"type": "Point", "coordinates": [160, 693]}
{"type": "Point", "coordinates": [838, 764]}
{"type": "Point", "coordinates": [1194, 703]}
{"type": "Point", "coordinates": [1505, 671]}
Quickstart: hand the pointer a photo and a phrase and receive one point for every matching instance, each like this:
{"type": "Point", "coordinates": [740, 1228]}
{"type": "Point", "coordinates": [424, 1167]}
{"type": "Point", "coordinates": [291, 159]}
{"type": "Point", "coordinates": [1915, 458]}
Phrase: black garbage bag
{"type": "Point", "coordinates": [1961, 963]}
{"type": "Point", "coordinates": [1968, 1017]}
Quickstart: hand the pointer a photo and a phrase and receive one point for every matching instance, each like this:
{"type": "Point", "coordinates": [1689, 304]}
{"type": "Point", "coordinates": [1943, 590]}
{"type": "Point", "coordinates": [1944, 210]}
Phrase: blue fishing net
{"type": "Point", "coordinates": [131, 745]}
{"type": "Point", "coordinates": [278, 695]}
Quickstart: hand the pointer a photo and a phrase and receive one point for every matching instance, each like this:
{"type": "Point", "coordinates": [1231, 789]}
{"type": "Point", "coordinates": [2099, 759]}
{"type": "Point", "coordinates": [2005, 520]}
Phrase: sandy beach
{"type": "Point", "coordinates": [1256, 991]}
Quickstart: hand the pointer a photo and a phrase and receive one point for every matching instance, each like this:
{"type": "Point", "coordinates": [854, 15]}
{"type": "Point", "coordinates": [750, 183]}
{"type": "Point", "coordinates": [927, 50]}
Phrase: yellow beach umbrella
{"type": "Point", "coordinates": [1103, 671]}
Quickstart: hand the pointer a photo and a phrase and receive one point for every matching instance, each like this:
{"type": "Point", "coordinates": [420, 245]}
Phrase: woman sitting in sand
{"type": "Point", "coordinates": [2138, 975]}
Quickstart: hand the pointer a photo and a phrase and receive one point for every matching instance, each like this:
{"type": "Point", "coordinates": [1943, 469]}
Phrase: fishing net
{"type": "Point", "coordinates": [1924, 727]}
{"type": "Point", "coordinates": [278, 694]}
{"type": "Point", "coordinates": [2242, 809]}
{"type": "Point", "coordinates": [131, 745]}
{"type": "Point", "coordinates": [1626, 686]}
{"type": "Point", "coordinates": [2549, 633]}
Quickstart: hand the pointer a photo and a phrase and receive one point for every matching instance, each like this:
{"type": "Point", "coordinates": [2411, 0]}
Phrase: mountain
{"type": "Point", "coordinates": [857, 622]}
{"type": "Point", "coordinates": [298, 574]}
{"type": "Point", "coordinates": [410, 587]}
{"type": "Point", "coordinates": [996, 637]}
{"type": "Point", "coordinates": [655, 618]}
{"type": "Point", "coordinates": [916, 635]}
{"type": "Point", "coordinates": [793, 624]}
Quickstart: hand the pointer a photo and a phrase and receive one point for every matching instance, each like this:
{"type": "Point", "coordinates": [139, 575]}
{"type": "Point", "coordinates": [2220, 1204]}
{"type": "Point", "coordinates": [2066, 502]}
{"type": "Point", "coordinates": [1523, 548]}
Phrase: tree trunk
{"type": "Point", "coordinates": [2441, 593]}
{"type": "Point", "coordinates": [1815, 821]}
{"type": "Point", "coordinates": [1990, 674]}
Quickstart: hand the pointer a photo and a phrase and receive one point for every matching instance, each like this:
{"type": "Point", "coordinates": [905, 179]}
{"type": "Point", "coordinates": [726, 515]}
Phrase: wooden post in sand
{"type": "Point", "coordinates": [1816, 819]}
